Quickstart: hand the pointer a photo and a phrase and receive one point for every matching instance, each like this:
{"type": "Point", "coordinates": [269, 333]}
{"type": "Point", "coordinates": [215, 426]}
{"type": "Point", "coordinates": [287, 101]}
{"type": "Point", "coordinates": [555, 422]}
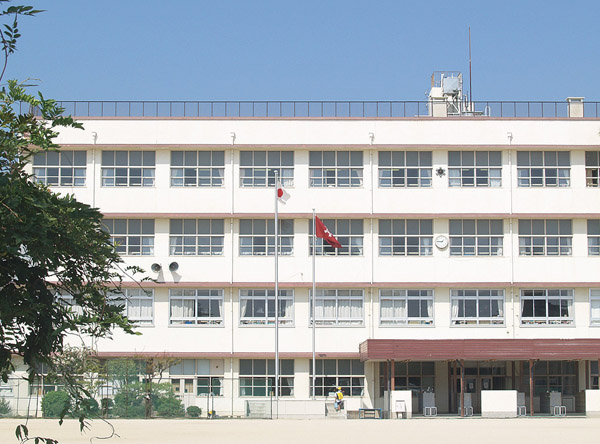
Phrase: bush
{"type": "Point", "coordinates": [89, 407]}
{"type": "Point", "coordinates": [4, 407]}
{"type": "Point", "coordinates": [194, 411]}
{"type": "Point", "coordinates": [55, 403]}
{"type": "Point", "coordinates": [130, 402]}
{"type": "Point", "coordinates": [169, 406]}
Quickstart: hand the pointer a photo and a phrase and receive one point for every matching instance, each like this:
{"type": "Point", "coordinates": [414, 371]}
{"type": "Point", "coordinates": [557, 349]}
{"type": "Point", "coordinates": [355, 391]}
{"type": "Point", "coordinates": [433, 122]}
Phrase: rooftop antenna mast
{"type": "Point", "coordinates": [470, 86]}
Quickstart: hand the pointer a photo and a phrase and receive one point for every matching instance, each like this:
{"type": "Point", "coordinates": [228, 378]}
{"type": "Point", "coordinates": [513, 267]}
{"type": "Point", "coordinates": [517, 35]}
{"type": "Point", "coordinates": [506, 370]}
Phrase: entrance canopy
{"type": "Point", "coordinates": [478, 349]}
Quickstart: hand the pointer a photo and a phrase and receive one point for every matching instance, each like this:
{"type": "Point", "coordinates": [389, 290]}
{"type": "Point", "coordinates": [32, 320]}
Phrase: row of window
{"type": "Point", "coordinates": [326, 168]}
{"type": "Point", "coordinates": [346, 307]}
{"type": "Point", "coordinates": [397, 237]}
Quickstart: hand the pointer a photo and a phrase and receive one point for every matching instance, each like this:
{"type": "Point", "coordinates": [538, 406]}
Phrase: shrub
{"type": "Point", "coordinates": [169, 406]}
{"type": "Point", "coordinates": [55, 403]}
{"type": "Point", "coordinates": [4, 407]}
{"type": "Point", "coordinates": [194, 411]}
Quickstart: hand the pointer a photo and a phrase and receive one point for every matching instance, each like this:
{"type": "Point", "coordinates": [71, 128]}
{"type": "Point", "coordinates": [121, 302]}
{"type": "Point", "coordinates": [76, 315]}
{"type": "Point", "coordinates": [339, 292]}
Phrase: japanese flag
{"type": "Point", "coordinates": [282, 195]}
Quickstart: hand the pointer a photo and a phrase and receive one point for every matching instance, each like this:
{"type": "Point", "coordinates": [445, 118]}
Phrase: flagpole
{"type": "Point", "coordinates": [276, 296]}
{"type": "Point", "coordinates": [314, 293]}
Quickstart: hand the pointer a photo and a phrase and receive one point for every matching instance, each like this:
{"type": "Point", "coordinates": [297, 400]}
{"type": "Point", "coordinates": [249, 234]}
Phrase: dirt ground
{"type": "Point", "coordinates": [242, 431]}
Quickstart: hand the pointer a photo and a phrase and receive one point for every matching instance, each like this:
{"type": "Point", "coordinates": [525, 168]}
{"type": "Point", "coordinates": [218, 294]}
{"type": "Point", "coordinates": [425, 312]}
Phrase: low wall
{"type": "Point", "coordinates": [499, 403]}
{"type": "Point", "coordinates": [592, 403]}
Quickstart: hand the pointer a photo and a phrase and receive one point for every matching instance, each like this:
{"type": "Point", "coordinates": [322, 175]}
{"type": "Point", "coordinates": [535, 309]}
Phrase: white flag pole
{"type": "Point", "coordinates": [276, 294]}
{"type": "Point", "coordinates": [314, 294]}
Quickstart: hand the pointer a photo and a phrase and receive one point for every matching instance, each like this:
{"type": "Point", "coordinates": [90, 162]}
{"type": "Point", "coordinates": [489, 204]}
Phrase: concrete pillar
{"type": "Point", "coordinates": [575, 106]}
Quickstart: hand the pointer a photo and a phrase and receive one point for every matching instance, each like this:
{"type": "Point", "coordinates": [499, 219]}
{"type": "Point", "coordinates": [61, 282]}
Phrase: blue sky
{"type": "Point", "coordinates": [308, 50]}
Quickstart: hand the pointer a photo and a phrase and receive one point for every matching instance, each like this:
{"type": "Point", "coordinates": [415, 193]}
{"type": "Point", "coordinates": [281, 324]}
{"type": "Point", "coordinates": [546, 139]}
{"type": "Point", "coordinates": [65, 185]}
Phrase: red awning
{"type": "Point", "coordinates": [478, 349]}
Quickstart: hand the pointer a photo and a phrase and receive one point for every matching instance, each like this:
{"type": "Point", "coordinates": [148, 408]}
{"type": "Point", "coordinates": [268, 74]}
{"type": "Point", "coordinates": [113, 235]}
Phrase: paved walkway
{"type": "Point", "coordinates": [243, 431]}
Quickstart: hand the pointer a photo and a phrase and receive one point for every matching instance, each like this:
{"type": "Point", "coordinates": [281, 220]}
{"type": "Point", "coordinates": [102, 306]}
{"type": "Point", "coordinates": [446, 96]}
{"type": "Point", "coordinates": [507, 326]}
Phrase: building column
{"type": "Point", "coordinates": [531, 391]}
{"type": "Point", "coordinates": [462, 388]}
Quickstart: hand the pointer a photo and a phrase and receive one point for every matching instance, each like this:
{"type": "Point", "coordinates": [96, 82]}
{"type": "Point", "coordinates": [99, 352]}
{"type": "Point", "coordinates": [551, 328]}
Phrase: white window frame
{"type": "Point", "coordinates": [592, 169]}
{"type": "Point", "coordinates": [125, 170]}
{"type": "Point", "coordinates": [534, 239]}
{"type": "Point", "coordinates": [209, 295]}
{"type": "Point", "coordinates": [123, 240]}
{"type": "Point", "coordinates": [402, 299]}
{"type": "Point", "coordinates": [543, 294]}
{"type": "Point", "coordinates": [405, 169]}
{"type": "Point", "coordinates": [131, 297]}
{"type": "Point", "coordinates": [266, 298]}
{"type": "Point", "coordinates": [197, 168]}
{"type": "Point", "coordinates": [478, 239]}
{"type": "Point", "coordinates": [266, 381]}
{"type": "Point", "coordinates": [351, 240]}
{"type": "Point", "coordinates": [477, 297]}
{"type": "Point", "coordinates": [356, 381]}
{"type": "Point", "coordinates": [64, 168]}
{"type": "Point", "coordinates": [341, 169]}
{"type": "Point", "coordinates": [475, 169]}
{"type": "Point", "coordinates": [353, 296]}
{"type": "Point", "coordinates": [257, 237]}
{"type": "Point", "coordinates": [196, 237]}
{"type": "Point", "coordinates": [257, 168]}
{"type": "Point", "coordinates": [419, 242]}
{"type": "Point", "coordinates": [536, 168]}
{"type": "Point", "coordinates": [594, 237]}
{"type": "Point", "coordinates": [595, 301]}
{"type": "Point", "coordinates": [190, 370]}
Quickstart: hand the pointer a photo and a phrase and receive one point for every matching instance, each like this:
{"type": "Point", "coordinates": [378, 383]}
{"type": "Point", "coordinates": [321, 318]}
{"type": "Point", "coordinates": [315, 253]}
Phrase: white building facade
{"type": "Point", "coordinates": [468, 243]}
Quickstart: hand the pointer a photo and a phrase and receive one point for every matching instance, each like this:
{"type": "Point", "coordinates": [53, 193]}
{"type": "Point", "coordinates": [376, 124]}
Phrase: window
{"type": "Point", "coordinates": [128, 168]}
{"type": "Point", "coordinates": [195, 307]}
{"type": "Point", "coordinates": [592, 167]}
{"type": "Point", "coordinates": [547, 307]}
{"type": "Point", "coordinates": [475, 168]}
{"type": "Point", "coordinates": [349, 233]}
{"type": "Point", "coordinates": [469, 237]}
{"type": "Point", "coordinates": [60, 168]}
{"type": "Point", "coordinates": [197, 168]}
{"type": "Point", "coordinates": [349, 374]}
{"type": "Point", "coordinates": [549, 237]}
{"type": "Point", "coordinates": [205, 374]}
{"type": "Point", "coordinates": [595, 306]}
{"type": "Point", "coordinates": [404, 169]}
{"type": "Point", "coordinates": [137, 303]}
{"type": "Point", "coordinates": [552, 376]}
{"type": "Point", "coordinates": [593, 233]}
{"type": "Point", "coordinates": [339, 307]}
{"type": "Point", "coordinates": [406, 307]}
{"type": "Point", "coordinates": [68, 302]}
{"type": "Point", "coordinates": [6, 388]}
{"type": "Point", "coordinates": [257, 307]}
{"type": "Point", "coordinates": [544, 168]}
{"type": "Point", "coordinates": [196, 237]}
{"type": "Point", "coordinates": [257, 377]}
{"type": "Point", "coordinates": [257, 237]}
{"type": "Point", "coordinates": [257, 168]}
{"type": "Point", "coordinates": [131, 237]}
{"type": "Point", "coordinates": [477, 307]}
{"type": "Point", "coordinates": [410, 237]}
{"type": "Point", "coordinates": [336, 168]}
{"type": "Point", "coordinates": [416, 376]}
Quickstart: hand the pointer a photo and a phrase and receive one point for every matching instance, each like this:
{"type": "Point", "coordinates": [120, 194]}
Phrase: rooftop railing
{"type": "Point", "coordinates": [316, 109]}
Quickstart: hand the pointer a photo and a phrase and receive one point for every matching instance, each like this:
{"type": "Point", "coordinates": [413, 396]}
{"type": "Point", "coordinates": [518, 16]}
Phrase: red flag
{"type": "Point", "coordinates": [324, 233]}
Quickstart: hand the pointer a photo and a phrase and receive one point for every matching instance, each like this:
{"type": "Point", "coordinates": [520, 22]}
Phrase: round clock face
{"type": "Point", "coordinates": [441, 242]}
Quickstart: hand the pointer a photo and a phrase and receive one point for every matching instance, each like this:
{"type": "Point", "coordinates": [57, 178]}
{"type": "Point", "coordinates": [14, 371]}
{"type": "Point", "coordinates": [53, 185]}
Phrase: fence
{"type": "Point", "coordinates": [312, 109]}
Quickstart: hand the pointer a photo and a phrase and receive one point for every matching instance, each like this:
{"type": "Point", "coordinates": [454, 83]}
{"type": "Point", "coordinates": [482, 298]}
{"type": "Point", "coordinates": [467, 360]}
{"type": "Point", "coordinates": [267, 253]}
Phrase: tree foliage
{"type": "Point", "coordinates": [49, 244]}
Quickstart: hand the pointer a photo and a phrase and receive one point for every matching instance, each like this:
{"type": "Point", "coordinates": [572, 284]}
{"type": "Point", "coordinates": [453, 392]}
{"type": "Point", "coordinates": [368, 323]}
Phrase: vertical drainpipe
{"type": "Point", "coordinates": [232, 275]}
{"type": "Point", "coordinates": [372, 241]}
